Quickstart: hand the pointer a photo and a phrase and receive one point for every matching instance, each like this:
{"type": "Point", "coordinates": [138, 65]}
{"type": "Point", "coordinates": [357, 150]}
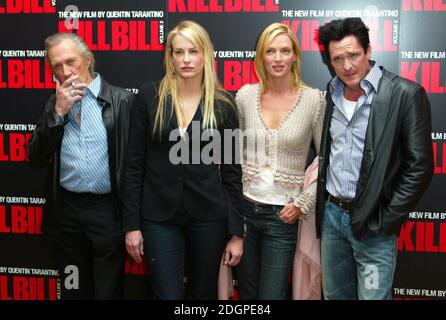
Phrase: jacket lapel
{"type": "Point", "coordinates": [377, 122]}
{"type": "Point", "coordinates": [172, 118]}
{"type": "Point", "coordinates": [170, 115]}
{"type": "Point", "coordinates": [198, 117]}
{"type": "Point", "coordinates": [378, 113]}
{"type": "Point", "coordinates": [326, 140]}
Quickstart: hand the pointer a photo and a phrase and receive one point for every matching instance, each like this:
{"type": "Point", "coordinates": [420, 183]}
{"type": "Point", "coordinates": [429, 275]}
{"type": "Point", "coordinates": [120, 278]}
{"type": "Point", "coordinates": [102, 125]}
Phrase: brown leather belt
{"type": "Point", "coordinates": [343, 204]}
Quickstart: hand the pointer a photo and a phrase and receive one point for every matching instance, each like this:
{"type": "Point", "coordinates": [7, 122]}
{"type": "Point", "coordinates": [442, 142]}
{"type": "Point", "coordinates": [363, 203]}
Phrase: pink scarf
{"type": "Point", "coordinates": [306, 277]}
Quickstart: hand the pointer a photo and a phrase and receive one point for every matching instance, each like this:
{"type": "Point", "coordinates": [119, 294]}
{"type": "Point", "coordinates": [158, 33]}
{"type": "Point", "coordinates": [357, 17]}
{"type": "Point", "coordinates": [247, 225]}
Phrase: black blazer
{"type": "Point", "coordinates": [397, 164]}
{"type": "Point", "coordinates": [154, 187]}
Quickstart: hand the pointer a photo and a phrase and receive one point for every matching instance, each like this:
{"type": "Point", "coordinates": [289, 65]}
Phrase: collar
{"type": "Point", "coordinates": [95, 86]}
{"type": "Point", "coordinates": [105, 94]}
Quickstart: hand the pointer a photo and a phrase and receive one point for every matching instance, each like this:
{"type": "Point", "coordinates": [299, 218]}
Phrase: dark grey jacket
{"type": "Point", "coordinates": [45, 143]}
{"type": "Point", "coordinates": [397, 164]}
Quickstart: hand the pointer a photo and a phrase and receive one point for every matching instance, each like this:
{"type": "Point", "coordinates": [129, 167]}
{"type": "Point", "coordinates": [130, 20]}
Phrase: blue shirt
{"type": "Point", "coordinates": [348, 136]}
{"type": "Point", "coordinates": [84, 154]}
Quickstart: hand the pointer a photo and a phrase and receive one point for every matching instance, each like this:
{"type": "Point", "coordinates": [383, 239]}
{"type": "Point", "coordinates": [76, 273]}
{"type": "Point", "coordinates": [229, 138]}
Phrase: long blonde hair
{"type": "Point", "coordinates": [211, 88]}
{"type": "Point", "coordinates": [265, 39]}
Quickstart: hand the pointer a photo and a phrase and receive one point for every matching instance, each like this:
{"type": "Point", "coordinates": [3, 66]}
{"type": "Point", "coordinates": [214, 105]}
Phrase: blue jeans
{"type": "Point", "coordinates": [355, 269]}
{"type": "Point", "coordinates": [166, 244]}
{"type": "Point", "coordinates": [268, 252]}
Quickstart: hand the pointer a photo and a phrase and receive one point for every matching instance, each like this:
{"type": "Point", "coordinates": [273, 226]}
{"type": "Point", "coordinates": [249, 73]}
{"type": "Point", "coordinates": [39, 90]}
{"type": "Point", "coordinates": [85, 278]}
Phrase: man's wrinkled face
{"type": "Point", "coordinates": [65, 60]}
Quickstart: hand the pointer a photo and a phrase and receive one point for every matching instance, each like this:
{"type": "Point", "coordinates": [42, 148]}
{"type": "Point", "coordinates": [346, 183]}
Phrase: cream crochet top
{"type": "Point", "coordinates": [274, 166]}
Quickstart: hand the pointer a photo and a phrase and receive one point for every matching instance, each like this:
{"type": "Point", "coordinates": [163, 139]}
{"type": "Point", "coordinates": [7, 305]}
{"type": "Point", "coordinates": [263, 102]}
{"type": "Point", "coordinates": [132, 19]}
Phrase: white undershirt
{"type": "Point", "coordinates": [182, 130]}
{"type": "Point", "coordinates": [265, 189]}
{"type": "Point", "coordinates": [349, 107]}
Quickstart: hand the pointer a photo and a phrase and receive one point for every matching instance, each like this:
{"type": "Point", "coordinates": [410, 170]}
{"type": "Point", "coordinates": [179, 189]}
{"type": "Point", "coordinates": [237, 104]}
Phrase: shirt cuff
{"type": "Point", "coordinates": [306, 203]}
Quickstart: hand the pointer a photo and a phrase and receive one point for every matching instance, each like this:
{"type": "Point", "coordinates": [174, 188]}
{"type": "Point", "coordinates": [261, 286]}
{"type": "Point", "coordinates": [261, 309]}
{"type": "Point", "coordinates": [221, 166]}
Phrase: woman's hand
{"type": "Point", "coordinates": [290, 213]}
{"type": "Point", "coordinates": [233, 251]}
{"type": "Point", "coordinates": [134, 244]}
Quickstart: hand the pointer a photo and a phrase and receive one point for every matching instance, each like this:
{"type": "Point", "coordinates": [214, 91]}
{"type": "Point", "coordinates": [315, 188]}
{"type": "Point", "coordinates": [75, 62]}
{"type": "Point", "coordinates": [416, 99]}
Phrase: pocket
{"type": "Point", "coordinates": [374, 221]}
{"type": "Point", "coordinates": [248, 209]}
{"type": "Point", "coordinates": [280, 223]}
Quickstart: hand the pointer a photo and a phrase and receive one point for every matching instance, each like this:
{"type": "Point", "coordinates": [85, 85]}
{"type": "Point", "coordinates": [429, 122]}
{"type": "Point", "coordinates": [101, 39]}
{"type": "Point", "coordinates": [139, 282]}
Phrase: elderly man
{"type": "Point", "coordinates": [375, 163]}
{"type": "Point", "coordinates": [82, 134]}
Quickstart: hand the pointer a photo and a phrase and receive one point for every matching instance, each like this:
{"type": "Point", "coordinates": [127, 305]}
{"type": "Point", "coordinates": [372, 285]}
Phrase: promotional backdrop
{"type": "Point", "coordinates": [127, 38]}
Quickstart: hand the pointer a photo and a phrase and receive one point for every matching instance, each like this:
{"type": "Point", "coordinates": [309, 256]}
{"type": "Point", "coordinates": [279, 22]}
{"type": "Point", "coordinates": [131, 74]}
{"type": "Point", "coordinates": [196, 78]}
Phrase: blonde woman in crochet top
{"type": "Point", "coordinates": [280, 117]}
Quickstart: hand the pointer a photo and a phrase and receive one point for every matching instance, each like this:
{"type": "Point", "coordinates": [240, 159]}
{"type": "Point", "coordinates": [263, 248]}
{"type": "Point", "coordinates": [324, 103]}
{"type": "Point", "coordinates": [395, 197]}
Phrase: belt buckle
{"type": "Point", "coordinates": [344, 206]}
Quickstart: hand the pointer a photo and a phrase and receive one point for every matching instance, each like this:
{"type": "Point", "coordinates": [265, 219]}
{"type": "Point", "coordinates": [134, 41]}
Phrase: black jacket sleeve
{"type": "Point", "coordinates": [417, 165]}
{"type": "Point", "coordinates": [136, 155]}
{"type": "Point", "coordinates": [231, 172]}
{"type": "Point", "coordinates": [46, 137]}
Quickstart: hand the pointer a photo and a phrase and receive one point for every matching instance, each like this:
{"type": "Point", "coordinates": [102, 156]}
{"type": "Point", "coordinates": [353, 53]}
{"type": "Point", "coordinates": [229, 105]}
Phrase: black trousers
{"type": "Point", "coordinates": [92, 248]}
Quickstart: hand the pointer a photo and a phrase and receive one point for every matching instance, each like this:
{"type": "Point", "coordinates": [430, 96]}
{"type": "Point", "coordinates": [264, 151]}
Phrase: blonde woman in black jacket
{"type": "Point", "coordinates": [178, 206]}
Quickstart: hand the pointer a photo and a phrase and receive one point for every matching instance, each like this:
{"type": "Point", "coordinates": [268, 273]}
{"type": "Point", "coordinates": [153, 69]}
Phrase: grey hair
{"type": "Point", "coordinates": [84, 50]}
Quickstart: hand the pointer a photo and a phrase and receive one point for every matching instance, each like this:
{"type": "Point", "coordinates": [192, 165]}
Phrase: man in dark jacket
{"type": "Point", "coordinates": [82, 134]}
{"type": "Point", "coordinates": [376, 161]}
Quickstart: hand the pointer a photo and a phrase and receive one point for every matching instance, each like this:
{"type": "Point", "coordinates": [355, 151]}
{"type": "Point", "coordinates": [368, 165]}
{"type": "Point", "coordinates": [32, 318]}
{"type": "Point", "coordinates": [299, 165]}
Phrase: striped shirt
{"type": "Point", "coordinates": [84, 153]}
{"type": "Point", "coordinates": [348, 136]}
